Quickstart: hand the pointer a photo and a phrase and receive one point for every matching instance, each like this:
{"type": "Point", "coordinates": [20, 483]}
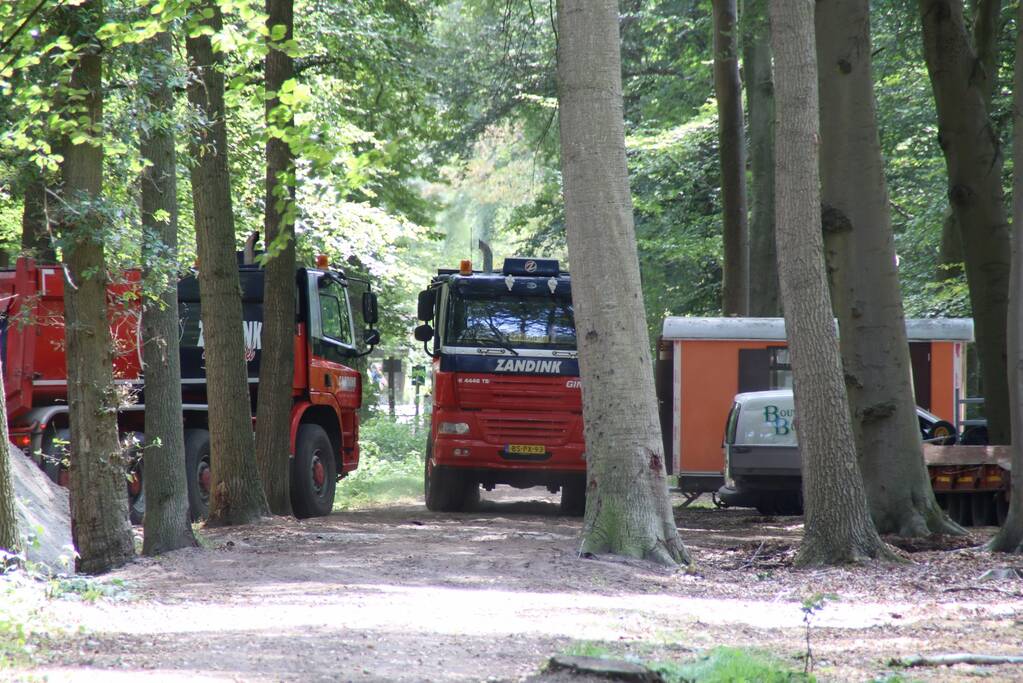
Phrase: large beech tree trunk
{"type": "Point", "coordinates": [732, 145]}
{"type": "Point", "coordinates": [167, 521]}
{"type": "Point", "coordinates": [837, 523]}
{"type": "Point", "coordinates": [974, 161]}
{"type": "Point", "coordinates": [10, 540]}
{"type": "Point", "coordinates": [757, 66]}
{"type": "Point", "coordinates": [99, 494]}
{"type": "Point", "coordinates": [1010, 537]}
{"type": "Point", "coordinates": [860, 253]}
{"type": "Point", "coordinates": [628, 510]}
{"type": "Point", "coordinates": [236, 496]}
{"type": "Point", "coordinates": [35, 234]}
{"type": "Point", "coordinates": [986, 30]}
{"type": "Point", "coordinates": [277, 359]}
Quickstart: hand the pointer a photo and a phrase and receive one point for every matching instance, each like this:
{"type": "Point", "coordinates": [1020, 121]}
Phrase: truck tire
{"type": "Point", "coordinates": [573, 498]}
{"type": "Point", "coordinates": [445, 489]}
{"type": "Point", "coordinates": [55, 449]}
{"type": "Point", "coordinates": [197, 472]}
{"type": "Point", "coordinates": [136, 491]}
{"type": "Point", "coordinates": [313, 473]}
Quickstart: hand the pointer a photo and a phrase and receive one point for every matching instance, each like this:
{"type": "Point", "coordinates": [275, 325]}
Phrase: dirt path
{"type": "Point", "coordinates": [401, 594]}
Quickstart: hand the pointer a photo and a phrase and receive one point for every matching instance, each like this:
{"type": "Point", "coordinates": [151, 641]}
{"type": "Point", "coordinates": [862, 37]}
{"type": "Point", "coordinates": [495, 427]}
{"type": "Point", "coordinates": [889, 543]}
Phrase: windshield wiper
{"type": "Point", "coordinates": [500, 338]}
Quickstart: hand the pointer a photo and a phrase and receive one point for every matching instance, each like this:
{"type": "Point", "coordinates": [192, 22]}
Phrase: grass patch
{"type": "Point", "coordinates": [390, 466]}
{"type": "Point", "coordinates": [726, 664]}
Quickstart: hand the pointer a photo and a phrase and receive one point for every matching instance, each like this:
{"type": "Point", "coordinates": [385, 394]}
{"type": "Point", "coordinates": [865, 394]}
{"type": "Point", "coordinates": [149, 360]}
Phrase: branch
{"type": "Point", "coordinates": [949, 660]}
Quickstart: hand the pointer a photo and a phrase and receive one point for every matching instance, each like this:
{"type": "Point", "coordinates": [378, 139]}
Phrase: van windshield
{"type": "Point", "coordinates": [516, 320]}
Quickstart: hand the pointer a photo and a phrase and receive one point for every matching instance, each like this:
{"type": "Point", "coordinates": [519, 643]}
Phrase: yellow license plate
{"type": "Point", "coordinates": [526, 449]}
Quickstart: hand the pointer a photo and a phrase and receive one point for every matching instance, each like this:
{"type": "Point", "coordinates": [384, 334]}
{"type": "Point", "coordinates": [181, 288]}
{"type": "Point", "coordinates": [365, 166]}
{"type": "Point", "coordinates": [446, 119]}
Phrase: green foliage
{"type": "Point", "coordinates": [390, 465]}
{"type": "Point", "coordinates": [729, 664]}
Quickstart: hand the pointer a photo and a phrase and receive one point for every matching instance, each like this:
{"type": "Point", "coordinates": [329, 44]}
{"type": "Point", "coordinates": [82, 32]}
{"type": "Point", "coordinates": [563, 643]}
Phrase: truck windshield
{"type": "Point", "coordinates": [523, 322]}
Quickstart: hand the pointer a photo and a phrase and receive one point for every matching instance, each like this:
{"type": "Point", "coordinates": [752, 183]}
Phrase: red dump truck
{"type": "Point", "coordinates": [507, 400]}
{"type": "Point", "coordinates": [326, 392]}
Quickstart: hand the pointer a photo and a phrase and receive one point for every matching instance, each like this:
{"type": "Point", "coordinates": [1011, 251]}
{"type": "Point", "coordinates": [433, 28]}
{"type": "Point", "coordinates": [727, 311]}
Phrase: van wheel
{"type": "Point", "coordinates": [313, 473]}
{"type": "Point", "coordinates": [573, 498]}
{"type": "Point", "coordinates": [197, 472]}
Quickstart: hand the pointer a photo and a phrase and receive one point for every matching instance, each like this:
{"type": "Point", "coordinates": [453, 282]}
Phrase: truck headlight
{"type": "Point", "coordinates": [453, 428]}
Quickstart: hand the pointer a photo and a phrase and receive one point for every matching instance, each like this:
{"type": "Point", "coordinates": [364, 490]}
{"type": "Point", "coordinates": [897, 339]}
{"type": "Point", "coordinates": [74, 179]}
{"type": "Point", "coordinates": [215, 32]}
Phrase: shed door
{"type": "Point", "coordinates": [754, 370]}
{"type": "Point", "coordinates": [920, 357]}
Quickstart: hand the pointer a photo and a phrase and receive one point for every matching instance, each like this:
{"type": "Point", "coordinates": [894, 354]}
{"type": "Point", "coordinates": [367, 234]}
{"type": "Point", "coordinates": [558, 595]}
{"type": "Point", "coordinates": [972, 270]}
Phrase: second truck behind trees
{"type": "Point", "coordinates": [326, 392]}
{"type": "Point", "coordinates": [507, 404]}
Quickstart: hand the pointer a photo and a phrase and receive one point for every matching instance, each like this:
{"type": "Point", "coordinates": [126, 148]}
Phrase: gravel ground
{"type": "Point", "coordinates": [402, 594]}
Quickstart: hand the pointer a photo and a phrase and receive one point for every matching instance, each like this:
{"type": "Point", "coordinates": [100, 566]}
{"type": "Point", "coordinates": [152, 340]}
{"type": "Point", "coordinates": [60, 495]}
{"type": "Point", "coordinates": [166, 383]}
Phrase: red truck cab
{"type": "Point", "coordinates": [326, 391]}
{"type": "Point", "coordinates": [507, 400]}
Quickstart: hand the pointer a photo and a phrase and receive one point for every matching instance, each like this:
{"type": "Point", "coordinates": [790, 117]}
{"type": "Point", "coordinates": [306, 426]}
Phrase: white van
{"type": "Point", "coordinates": [763, 468]}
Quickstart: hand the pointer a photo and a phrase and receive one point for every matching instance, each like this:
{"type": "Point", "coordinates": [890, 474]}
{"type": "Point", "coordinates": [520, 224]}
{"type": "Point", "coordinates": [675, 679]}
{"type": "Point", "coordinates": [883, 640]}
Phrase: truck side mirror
{"type": "Point", "coordinates": [372, 337]}
{"type": "Point", "coordinates": [369, 308]}
{"type": "Point", "coordinates": [423, 333]}
{"type": "Point", "coordinates": [424, 311]}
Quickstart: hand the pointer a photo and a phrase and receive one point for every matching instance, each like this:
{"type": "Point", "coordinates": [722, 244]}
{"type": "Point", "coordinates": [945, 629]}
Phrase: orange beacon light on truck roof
{"type": "Point", "coordinates": [465, 267]}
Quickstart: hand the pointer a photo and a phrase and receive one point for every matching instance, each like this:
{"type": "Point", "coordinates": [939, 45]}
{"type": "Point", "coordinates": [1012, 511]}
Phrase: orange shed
{"type": "Point", "coordinates": [702, 363]}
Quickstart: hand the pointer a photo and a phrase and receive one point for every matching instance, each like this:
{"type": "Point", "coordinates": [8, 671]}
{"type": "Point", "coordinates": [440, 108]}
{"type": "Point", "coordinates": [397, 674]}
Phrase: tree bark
{"type": "Point", "coordinates": [837, 524]}
{"type": "Point", "coordinates": [986, 29]}
{"type": "Point", "coordinates": [732, 149]}
{"type": "Point", "coordinates": [974, 161]}
{"type": "Point", "coordinates": [236, 496]}
{"type": "Point", "coordinates": [1010, 537]}
{"type": "Point", "coordinates": [757, 66]}
{"type": "Point", "coordinates": [35, 233]}
{"type": "Point", "coordinates": [167, 522]}
{"type": "Point", "coordinates": [277, 359]}
{"type": "Point", "coordinates": [10, 539]}
{"type": "Point", "coordinates": [860, 253]}
{"type": "Point", "coordinates": [628, 510]}
{"type": "Point", "coordinates": [99, 496]}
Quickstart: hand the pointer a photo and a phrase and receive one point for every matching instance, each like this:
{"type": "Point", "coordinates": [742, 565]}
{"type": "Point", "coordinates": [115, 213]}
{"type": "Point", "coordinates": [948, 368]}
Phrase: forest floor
{"type": "Point", "coordinates": [401, 594]}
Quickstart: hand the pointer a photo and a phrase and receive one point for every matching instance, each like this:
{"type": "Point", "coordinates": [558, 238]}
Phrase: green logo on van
{"type": "Point", "coordinates": [781, 418]}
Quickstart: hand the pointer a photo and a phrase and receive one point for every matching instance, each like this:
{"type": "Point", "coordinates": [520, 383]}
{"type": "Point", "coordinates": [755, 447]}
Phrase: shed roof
{"type": "Point", "coordinates": [773, 329]}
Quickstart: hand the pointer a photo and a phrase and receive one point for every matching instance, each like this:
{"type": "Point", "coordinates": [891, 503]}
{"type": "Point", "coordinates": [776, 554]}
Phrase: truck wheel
{"type": "Point", "coordinates": [55, 450]}
{"type": "Point", "coordinates": [573, 498]}
{"type": "Point", "coordinates": [982, 507]}
{"type": "Point", "coordinates": [313, 473]}
{"type": "Point", "coordinates": [1001, 507]}
{"type": "Point", "coordinates": [136, 492]}
{"type": "Point", "coordinates": [445, 489]}
{"type": "Point", "coordinates": [197, 472]}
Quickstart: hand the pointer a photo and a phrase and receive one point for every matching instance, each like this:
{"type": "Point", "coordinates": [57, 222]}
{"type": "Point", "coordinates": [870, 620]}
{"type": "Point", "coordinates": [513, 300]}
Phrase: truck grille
{"type": "Point", "coordinates": [504, 429]}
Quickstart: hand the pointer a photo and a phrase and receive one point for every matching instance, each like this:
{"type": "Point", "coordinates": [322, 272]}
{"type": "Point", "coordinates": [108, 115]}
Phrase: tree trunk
{"type": "Point", "coordinates": [1010, 537]}
{"type": "Point", "coordinates": [757, 65]}
{"type": "Point", "coordinates": [35, 233]}
{"type": "Point", "coordinates": [837, 524]}
{"type": "Point", "coordinates": [986, 29]}
{"type": "Point", "coordinates": [10, 539]}
{"type": "Point", "coordinates": [860, 253]}
{"type": "Point", "coordinates": [99, 496]}
{"type": "Point", "coordinates": [732, 147]}
{"type": "Point", "coordinates": [277, 359]}
{"type": "Point", "coordinates": [236, 496]}
{"type": "Point", "coordinates": [628, 510]}
{"type": "Point", "coordinates": [974, 162]}
{"type": "Point", "coordinates": [167, 521]}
